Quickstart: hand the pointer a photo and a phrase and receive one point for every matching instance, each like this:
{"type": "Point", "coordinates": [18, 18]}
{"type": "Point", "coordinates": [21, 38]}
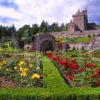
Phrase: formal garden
{"type": "Point", "coordinates": [57, 75]}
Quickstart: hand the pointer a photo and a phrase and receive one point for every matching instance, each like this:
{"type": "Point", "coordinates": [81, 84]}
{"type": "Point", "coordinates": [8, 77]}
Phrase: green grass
{"type": "Point", "coordinates": [79, 40]}
{"type": "Point", "coordinates": [53, 78]}
{"type": "Point", "coordinates": [85, 39]}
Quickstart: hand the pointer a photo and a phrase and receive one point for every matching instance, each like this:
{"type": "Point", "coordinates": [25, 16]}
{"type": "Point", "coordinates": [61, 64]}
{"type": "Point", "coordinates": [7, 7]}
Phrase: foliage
{"type": "Point", "coordinates": [50, 90]}
{"type": "Point", "coordinates": [7, 31]}
{"type": "Point", "coordinates": [96, 53]}
{"type": "Point", "coordinates": [44, 27]}
{"type": "Point", "coordinates": [22, 70]}
{"type": "Point", "coordinates": [29, 31]}
{"type": "Point", "coordinates": [78, 72]}
{"type": "Point", "coordinates": [61, 91]}
{"type": "Point", "coordinates": [79, 40]}
{"type": "Point", "coordinates": [25, 32]}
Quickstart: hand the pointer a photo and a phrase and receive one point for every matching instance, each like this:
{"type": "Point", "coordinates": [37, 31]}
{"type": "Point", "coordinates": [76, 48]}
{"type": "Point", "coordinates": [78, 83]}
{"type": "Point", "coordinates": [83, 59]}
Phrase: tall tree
{"type": "Point", "coordinates": [22, 30]}
{"type": "Point", "coordinates": [35, 29]}
{"type": "Point", "coordinates": [63, 27]}
{"type": "Point", "coordinates": [7, 31]}
{"type": "Point", "coordinates": [55, 27]}
{"type": "Point", "coordinates": [44, 27]}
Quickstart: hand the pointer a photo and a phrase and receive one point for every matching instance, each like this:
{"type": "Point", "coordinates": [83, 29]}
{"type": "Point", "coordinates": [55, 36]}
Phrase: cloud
{"type": "Point", "coordinates": [34, 11]}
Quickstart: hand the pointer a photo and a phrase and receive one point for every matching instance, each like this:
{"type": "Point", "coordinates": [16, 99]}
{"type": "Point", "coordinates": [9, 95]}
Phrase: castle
{"type": "Point", "coordinates": [78, 27]}
{"type": "Point", "coordinates": [80, 22]}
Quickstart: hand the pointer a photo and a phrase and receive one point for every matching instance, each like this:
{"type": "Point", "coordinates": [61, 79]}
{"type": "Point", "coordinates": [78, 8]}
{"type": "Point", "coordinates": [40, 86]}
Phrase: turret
{"type": "Point", "coordinates": [84, 12]}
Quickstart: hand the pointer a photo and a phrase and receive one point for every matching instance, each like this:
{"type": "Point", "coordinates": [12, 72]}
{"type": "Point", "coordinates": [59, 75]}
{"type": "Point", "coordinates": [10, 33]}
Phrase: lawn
{"type": "Point", "coordinates": [79, 40]}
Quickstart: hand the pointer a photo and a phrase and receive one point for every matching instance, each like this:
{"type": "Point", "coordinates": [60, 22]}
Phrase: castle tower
{"type": "Point", "coordinates": [80, 21]}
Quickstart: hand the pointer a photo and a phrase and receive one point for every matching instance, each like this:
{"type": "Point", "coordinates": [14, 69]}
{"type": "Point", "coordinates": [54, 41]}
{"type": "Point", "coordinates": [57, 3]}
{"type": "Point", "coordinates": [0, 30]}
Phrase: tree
{"type": "Point", "coordinates": [35, 29]}
{"type": "Point", "coordinates": [21, 32]}
{"type": "Point", "coordinates": [7, 31]}
{"type": "Point", "coordinates": [12, 30]}
{"type": "Point", "coordinates": [44, 27]}
{"type": "Point", "coordinates": [25, 34]}
{"type": "Point", "coordinates": [55, 27]}
{"type": "Point", "coordinates": [62, 27]}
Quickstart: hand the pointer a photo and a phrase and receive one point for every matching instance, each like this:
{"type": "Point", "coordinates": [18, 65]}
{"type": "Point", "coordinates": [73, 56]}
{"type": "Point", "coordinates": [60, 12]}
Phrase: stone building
{"type": "Point", "coordinates": [80, 22]}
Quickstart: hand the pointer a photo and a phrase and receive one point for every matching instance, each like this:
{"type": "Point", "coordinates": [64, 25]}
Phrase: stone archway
{"type": "Point", "coordinates": [44, 42]}
{"type": "Point", "coordinates": [46, 45]}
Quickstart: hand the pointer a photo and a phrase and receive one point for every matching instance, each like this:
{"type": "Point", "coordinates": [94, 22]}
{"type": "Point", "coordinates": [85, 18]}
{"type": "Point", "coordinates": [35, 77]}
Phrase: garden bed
{"type": "Point", "coordinates": [54, 88]}
{"type": "Point", "coordinates": [20, 69]}
{"type": "Point", "coordinates": [77, 71]}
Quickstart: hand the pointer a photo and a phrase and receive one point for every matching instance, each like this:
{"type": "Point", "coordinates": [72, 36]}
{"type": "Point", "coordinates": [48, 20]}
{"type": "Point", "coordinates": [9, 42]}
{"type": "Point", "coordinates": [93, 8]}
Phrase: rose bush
{"type": "Point", "coordinates": [87, 74]}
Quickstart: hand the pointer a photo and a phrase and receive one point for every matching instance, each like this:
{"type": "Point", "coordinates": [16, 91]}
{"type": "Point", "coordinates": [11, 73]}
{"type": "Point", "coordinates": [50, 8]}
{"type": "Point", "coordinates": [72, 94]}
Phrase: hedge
{"type": "Point", "coordinates": [50, 94]}
{"type": "Point", "coordinates": [54, 89]}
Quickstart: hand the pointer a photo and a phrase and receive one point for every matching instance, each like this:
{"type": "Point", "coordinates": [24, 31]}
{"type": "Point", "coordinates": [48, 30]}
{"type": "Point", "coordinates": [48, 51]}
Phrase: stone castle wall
{"type": "Point", "coordinates": [76, 34]}
{"type": "Point", "coordinates": [94, 45]}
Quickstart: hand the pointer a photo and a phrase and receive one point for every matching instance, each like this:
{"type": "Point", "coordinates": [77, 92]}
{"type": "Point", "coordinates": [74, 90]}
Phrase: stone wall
{"type": "Point", "coordinates": [89, 46]}
{"type": "Point", "coordinates": [51, 37]}
{"type": "Point", "coordinates": [75, 34]}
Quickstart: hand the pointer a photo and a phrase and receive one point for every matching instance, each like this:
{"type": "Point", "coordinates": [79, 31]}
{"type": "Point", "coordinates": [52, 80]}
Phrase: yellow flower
{"type": "Point", "coordinates": [37, 68]}
{"type": "Point", "coordinates": [15, 68]}
{"type": "Point", "coordinates": [23, 74]}
{"type": "Point", "coordinates": [0, 67]}
{"type": "Point", "coordinates": [30, 65]}
{"type": "Point", "coordinates": [39, 55]}
{"type": "Point", "coordinates": [23, 69]}
{"type": "Point", "coordinates": [22, 63]}
{"type": "Point", "coordinates": [4, 62]}
{"type": "Point", "coordinates": [35, 76]}
{"type": "Point", "coordinates": [7, 69]}
{"type": "Point", "coordinates": [29, 58]}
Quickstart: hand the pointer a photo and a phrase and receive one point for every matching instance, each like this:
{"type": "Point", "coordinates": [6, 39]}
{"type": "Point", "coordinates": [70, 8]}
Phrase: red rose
{"type": "Point", "coordinates": [63, 62]}
{"type": "Point", "coordinates": [97, 83]}
{"type": "Point", "coordinates": [75, 66]}
{"type": "Point", "coordinates": [97, 73]}
{"type": "Point", "coordinates": [82, 70]}
{"type": "Point", "coordinates": [71, 78]}
{"type": "Point", "coordinates": [49, 54]}
{"type": "Point", "coordinates": [90, 65]}
{"type": "Point", "coordinates": [56, 58]}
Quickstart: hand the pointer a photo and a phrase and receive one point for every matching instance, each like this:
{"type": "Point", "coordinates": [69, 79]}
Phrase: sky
{"type": "Point", "coordinates": [21, 12]}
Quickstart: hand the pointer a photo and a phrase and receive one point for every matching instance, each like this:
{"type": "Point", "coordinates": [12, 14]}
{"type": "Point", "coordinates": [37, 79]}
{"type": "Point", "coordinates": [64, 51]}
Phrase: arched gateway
{"type": "Point", "coordinates": [44, 42]}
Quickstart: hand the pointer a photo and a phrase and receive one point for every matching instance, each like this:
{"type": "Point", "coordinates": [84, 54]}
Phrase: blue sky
{"type": "Point", "coordinates": [20, 12]}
